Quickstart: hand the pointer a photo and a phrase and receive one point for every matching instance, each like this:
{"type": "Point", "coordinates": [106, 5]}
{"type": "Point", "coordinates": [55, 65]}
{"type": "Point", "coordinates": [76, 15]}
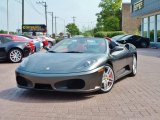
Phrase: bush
{"type": "Point", "coordinates": [58, 39]}
{"type": "Point", "coordinates": [103, 34]}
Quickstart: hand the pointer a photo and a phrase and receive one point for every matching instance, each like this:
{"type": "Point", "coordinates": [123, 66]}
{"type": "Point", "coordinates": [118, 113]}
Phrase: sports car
{"type": "Point", "coordinates": [78, 65]}
{"type": "Point", "coordinates": [138, 41]}
{"type": "Point", "coordinates": [13, 49]}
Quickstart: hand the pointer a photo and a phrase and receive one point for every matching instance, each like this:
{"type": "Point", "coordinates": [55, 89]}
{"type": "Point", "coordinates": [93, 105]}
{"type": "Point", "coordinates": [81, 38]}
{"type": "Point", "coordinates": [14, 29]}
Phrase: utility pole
{"type": "Point", "coordinates": [56, 25]}
{"type": "Point", "coordinates": [52, 21]}
{"type": "Point", "coordinates": [22, 12]}
{"type": "Point", "coordinates": [74, 21]}
{"type": "Point", "coordinates": [44, 5]}
{"type": "Point", "coordinates": [7, 19]}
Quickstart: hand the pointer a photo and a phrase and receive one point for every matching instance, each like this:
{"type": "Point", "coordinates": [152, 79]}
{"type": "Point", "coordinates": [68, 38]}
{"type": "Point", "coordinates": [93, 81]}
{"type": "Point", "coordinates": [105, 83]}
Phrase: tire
{"type": "Point", "coordinates": [15, 55]}
{"type": "Point", "coordinates": [108, 79]}
{"type": "Point", "coordinates": [50, 44]}
{"type": "Point", "coordinates": [144, 44]}
{"type": "Point", "coordinates": [134, 66]}
{"type": "Point", "coordinates": [35, 50]}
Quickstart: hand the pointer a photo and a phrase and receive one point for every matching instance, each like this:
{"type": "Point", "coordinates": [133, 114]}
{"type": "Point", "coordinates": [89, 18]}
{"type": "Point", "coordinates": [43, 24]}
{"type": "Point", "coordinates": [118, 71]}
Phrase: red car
{"type": "Point", "coordinates": [43, 40]}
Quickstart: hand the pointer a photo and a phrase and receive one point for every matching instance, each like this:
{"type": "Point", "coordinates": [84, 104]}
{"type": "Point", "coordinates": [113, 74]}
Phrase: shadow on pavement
{"type": "Point", "coordinates": [6, 62]}
{"type": "Point", "coordinates": [33, 96]}
{"type": "Point", "coordinates": [122, 79]}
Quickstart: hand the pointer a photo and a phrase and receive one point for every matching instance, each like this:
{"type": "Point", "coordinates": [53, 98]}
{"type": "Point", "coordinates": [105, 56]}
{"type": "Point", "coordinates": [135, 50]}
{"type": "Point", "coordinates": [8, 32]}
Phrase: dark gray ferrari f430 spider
{"type": "Point", "coordinates": [78, 65]}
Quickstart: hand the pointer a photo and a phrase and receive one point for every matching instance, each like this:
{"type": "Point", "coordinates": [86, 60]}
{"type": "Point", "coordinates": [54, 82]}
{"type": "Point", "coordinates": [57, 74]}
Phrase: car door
{"type": "Point", "coordinates": [119, 60]}
{"type": "Point", "coordinates": [2, 48]}
{"type": "Point", "coordinates": [5, 40]}
{"type": "Point", "coordinates": [134, 40]}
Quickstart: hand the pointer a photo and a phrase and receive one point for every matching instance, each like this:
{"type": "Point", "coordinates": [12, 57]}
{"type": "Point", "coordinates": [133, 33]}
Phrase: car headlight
{"type": "Point", "coordinates": [87, 64]}
{"type": "Point", "coordinates": [24, 62]}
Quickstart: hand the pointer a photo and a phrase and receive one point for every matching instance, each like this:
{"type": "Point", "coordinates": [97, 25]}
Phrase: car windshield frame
{"type": "Point", "coordinates": [86, 45]}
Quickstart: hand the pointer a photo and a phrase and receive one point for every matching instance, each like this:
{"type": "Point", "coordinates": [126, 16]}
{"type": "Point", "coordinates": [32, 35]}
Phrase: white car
{"type": "Point", "coordinates": [50, 40]}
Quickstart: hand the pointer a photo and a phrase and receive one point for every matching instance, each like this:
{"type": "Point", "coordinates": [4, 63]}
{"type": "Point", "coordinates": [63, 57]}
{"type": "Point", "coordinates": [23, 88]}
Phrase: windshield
{"type": "Point", "coordinates": [90, 45]}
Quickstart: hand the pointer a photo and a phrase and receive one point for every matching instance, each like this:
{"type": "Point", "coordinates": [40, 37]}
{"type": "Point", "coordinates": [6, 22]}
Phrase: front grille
{"type": "Point", "coordinates": [43, 86]}
{"type": "Point", "coordinates": [70, 84]}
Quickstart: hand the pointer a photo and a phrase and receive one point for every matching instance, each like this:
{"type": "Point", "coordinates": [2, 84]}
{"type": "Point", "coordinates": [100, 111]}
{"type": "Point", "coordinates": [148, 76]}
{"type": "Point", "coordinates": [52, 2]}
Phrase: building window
{"type": "Point", "coordinates": [152, 28]}
{"type": "Point", "coordinates": [145, 27]}
{"type": "Point", "coordinates": [158, 28]}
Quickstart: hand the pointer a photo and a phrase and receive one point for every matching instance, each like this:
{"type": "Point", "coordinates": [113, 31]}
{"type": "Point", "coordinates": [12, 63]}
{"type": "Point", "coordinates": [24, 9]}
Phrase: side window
{"type": "Point", "coordinates": [135, 38]}
{"type": "Point", "coordinates": [6, 39]}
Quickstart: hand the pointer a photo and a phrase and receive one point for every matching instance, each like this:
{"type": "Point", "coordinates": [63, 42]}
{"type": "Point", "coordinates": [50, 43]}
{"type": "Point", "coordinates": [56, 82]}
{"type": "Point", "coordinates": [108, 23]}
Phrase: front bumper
{"type": "Point", "coordinates": [74, 82]}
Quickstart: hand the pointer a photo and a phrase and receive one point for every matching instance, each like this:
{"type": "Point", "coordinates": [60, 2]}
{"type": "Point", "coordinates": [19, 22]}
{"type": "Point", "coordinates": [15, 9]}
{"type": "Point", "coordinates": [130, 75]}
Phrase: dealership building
{"type": "Point", "coordinates": [149, 13]}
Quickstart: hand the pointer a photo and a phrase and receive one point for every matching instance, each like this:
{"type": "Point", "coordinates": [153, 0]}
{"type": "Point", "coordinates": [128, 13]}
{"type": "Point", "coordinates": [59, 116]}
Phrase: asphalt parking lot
{"type": "Point", "coordinates": [131, 97]}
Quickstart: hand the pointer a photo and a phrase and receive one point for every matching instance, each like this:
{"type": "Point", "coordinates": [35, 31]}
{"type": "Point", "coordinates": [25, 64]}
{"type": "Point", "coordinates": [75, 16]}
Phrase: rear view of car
{"type": "Point", "coordinates": [50, 40]}
{"type": "Point", "coordinates": [43, 40]}
{"type": "Point", "coordinates": [36, 43]}
{"type": "Point", "coordinates": [13, 50]}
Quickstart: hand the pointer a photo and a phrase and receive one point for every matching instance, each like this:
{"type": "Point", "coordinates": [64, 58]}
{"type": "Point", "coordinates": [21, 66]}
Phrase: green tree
{"type": "Point", "coordinates": [3, 32]}
{"type": "Point", "coordinates": [110, 11]}
{"type": "Point", "coordinates": [72, 29]}
{"type": "Point", "coordinates": [111, 24]}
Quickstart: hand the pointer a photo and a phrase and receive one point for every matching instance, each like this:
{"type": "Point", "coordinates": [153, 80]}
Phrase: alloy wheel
{"type": "Point", "coordinates": [107, 79]}
{"type": "Point", "coordinates": [134, 66]}
{"type": "Point", "coordinates": [144, 44]}
{"type": "Point", "coordinates": [15, 55]}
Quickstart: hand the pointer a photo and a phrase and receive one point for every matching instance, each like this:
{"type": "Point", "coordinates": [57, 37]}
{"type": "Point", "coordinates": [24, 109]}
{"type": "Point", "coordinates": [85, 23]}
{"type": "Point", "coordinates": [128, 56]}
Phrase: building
{"type": "Point", "coordinates": [149, 13]}
{"type": "Point", "coordinates": [130, 25]}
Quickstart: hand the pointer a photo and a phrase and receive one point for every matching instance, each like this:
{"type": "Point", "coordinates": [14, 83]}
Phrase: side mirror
{"type": "Point", "coordinates": [46, 48]}
{"type": "Point", "coordinates": [127, 46]}
{"type": "Point", "coordinates": [117, 48]}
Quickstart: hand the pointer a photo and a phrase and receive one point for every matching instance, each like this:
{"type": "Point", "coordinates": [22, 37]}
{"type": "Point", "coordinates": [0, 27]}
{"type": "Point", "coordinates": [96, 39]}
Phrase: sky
{"type": "Point", "coordinates": [83, 10]}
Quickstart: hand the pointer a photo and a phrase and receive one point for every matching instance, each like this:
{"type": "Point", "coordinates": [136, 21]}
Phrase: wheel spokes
{"type": "Point", "coordinates": [108, 79]}
{"type": "Point", "coordinates": [15, 55]}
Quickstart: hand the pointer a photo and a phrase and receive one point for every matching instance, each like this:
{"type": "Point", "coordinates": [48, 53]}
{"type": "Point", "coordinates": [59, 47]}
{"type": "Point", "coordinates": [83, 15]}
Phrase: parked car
{"type": "Point", "coordinates": [138, 41]}
{"type": "Point", "coordinates": [13, 49]}
{"type": "Point", "coordinates": [78, 65]}
{"type": "Point", "coordinates": [118, 37]}
{"type": "Point", "coordinates": [35, 38]}
{"type": "Point", "coordinates": [30, 42]}
{"type": "Point", "coordinates": [35, 41]}
{"type": "Point", "coordinates": [50, 40]}
{"type": "Point", "coordinates": [43, 40]}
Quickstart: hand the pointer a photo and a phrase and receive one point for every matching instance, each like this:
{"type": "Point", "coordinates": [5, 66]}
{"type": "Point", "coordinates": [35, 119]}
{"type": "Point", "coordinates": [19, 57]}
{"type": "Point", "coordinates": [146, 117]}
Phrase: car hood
{"type": "Point", "coordinates": [61, 62]}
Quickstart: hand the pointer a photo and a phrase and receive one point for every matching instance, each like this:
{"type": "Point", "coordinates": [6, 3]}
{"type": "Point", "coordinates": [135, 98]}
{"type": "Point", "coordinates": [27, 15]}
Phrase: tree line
{"type": "Point", "coordinates": [108, 19]}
